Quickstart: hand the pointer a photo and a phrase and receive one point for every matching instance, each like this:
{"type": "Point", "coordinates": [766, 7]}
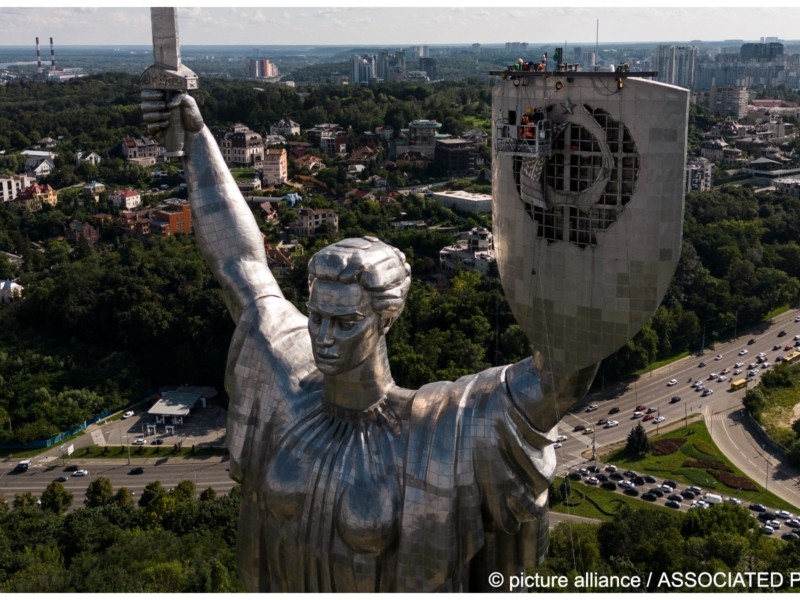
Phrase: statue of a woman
{"type": "Point", "coordinates": [349, 482]}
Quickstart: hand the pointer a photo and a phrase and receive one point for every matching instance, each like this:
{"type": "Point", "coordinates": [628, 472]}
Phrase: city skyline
{"type": "Point", "coordinates": [354, 25]}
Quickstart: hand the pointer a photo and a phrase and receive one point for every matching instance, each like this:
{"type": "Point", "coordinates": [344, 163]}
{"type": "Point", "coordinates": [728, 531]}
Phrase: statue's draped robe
{"type": "Point", "coordinates": [427, 491]}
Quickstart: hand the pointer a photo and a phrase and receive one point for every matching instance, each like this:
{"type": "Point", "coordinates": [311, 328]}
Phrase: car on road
{"type": "Point", "coordinates": [648, 418]}
{"type": "Point", "coordinates": [776, 347]}
{"type": "Point", "coordinates": [557, 445]}
{"type": "Point", "coordinates": [743, 351]}
{"type": "Point", "coordinates": [725, 371]}
{"type": "Point", "coordinates": [652, 409]}
{"type": "Point", "coordinates": [611, 423]}
{"type": "Point", "coordinates": [614, 410]}
{"type": "Point", "coordinates": [649, 497]}
{"type": "Point", "coordinates": [630, 491]}
{"type": "Point", "coordinates": [649, 478]}
{"type": "Point", "coordinates": [694, 489]}
{"type": "Point", "coordinates": [139, 442]}
{"type": "Point", "coordinates": [790, 536]}
{"type": "Point", "coordinates": [659, 419]}
{"type": "Point", "coordinates": [674, 399]}
{"type": "Point", "coordinates": [783, 514]}
{"type": "Point", "coordinates": [591, 480]}
{"type": "Point", "coordinates": [561, 438]}
{"type": "Point", "coordinates": [636, 414]}
{"type": "Point", "coordinates": [701, 365]}
{"type": "Point", "coordinates": [722, 378]}
{"type": "Point", "coordinates": [713, 375]}
{"type": "Point", "coordinates": [698, 385]}
{"type": "Point", "coordinates": [737, 371]}
{"type": "Point", "coordinates": [136, 471]}
{"type": "Point", "coordinates": [688, 495]}
{"type": "Point", "coordinates": [672, 504]}
{"type": "Point", "coordinates": [781, 333]}
{"type": "Point", "coordinates": [80, 473]}
{"type": "Point", "coordinates": [751, 341]}
{"type": "Point", "coordinates": [575, 476]}
{"type": "Point", "coordinates": [758, 508]}
{"type": "Point", "coordinates": [591, 407]}
{"type": "Point", "coordinates": [602, 421]}
{"type": "Point", "coordinates": [657, 491]}
{"type": "Point", "coordinates": [766, 365]}
{"type": "Point", "coordinates": [672, 382]}
{"type": "Point", "coordinates": [61, 478]}
{"type": "Point", "coordinates": [158, 442]}
{"type": "Point", "coordinates": [797, 319]}
{"type": "Point", "coordinates": [71, 468]}
{"type": "Point", "coordinates": [718, 357]}
{"type": "Point", "coordinates": [793, 523]}
{"type": "Point", "coordinates": [733, 500]}
{"type": "Point", "coordinates": [774, 523]}
{"type": "Point", "coordinates": [127, 414]}
{"type": "Point", "coordinates": [640, 407]}
{"type": "Point", "coordinates": [767, 530]}
{"type": "Point", "coordinates": [579, 427]}
{"type": "Point", "coordinates": [707, 392]}
{"type": "Point", "coordinates": [676, 497]}
{"type": "Point", "coordinates": [608, 485]}
{"type": "Point", "coordinates": [588, 431]}
{"type": "Point", "coordinates": [616, 476]}
{"type": "Point", "coordinates": [787, 347]}
{"type": "Point", "coordinates": [610, 468]}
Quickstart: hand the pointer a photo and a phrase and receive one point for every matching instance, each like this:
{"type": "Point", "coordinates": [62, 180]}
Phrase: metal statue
{"type": "Point", "coordinates": [350, 482]}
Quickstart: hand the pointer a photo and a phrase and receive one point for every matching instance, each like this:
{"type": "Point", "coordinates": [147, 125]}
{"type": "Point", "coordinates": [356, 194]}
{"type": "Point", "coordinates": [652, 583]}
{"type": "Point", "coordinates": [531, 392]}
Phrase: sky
{"type": "Point", "coordinates": [360, 23]}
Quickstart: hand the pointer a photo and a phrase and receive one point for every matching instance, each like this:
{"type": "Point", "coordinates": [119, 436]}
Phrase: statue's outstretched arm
{"type": "Point", "coordinates": [226, 230]}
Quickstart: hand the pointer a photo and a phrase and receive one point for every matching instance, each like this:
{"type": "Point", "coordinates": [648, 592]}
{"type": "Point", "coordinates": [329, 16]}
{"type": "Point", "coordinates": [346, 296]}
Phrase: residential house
{"type": "Point", "coordinates": [35, 196]}
{"type": "Point", "coordinates": [476, 253]}
{"type": "Point", "coordinates": [12, 185]}
{"type": "Point", "coordinates": [126, 199]}
{"type": "Point", "coordinates": [698, 175]}
{"type": "Point", "coordinates": [34, 160]}
{"type": "Point", "coordinates": [92, 190]}
{"type": "Point", "coordinates": [789, 186]}
{"type": "Point", "coordinates": [145, 150]}
{"type": "Point", "coordinates": [240, 146]}
{"type": "Point", "coordinates": [298, 149]}
{"type": "Point", "coordinates": [363, 154]}
{"type": "Point", "coordinates": [309, 162]}
{"type": "Point", "coordinates": [285, 127]}
{"type": "Point", "coordinates": [10, 291]}
{"type": "Point", "coordinates": [279, 262]}
{"type": "Point", "coordinates": [171, 217]}
{"type": "Point", "coordinates": [93, 158]}
{"type": "Point", "coordinates": [309, 220]}
{"type": "Point", "coordinates": [75, 230]}
{"type": "Point", "coordinates": [275, 169]}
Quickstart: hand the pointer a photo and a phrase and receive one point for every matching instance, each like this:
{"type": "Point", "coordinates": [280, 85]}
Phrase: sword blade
{"type": "Point", "coordinates": [166, 47]}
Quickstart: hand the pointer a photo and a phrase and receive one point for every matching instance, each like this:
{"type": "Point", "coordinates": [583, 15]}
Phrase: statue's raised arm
{"type": "Point", "coordinates": [227, 232]}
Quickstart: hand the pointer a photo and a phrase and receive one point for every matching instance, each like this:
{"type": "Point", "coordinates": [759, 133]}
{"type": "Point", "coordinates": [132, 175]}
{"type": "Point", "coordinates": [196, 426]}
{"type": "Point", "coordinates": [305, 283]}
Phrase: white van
{"type": "Point", "coordinates": [712, 498]}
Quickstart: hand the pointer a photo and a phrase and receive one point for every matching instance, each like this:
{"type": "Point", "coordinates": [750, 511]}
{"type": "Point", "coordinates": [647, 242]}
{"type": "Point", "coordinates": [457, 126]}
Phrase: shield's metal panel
{"type": "Point", "coordinates": [588, 233]}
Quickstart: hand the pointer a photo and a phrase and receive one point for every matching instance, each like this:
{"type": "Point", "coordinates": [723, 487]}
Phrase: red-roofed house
{"type": "Point", "coordinates": [125, 199]}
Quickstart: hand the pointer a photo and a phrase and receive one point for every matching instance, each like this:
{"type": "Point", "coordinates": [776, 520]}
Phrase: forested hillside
{"type": "Point", "coordinates": [100, 325]}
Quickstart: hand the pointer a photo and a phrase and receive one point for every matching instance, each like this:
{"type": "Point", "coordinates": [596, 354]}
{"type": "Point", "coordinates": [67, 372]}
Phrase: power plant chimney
{"type": "Point", "coordinates": [52, 55]}
{"type": "Point", "coordinates": [39, 70]}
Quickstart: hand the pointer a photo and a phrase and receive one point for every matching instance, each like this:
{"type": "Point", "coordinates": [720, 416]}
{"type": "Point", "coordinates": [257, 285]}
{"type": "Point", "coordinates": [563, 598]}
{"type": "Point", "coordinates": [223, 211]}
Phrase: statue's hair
{"type": "Point", "coordinates": [379, 268]}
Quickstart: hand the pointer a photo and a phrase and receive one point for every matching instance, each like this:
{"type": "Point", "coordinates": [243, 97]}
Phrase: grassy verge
{"type": "Point", "coordinates": [662, 363]}
{"type": "Point", "coordinates": [122, 452]}
{"type": "Point", "coordinates": [596, 503]}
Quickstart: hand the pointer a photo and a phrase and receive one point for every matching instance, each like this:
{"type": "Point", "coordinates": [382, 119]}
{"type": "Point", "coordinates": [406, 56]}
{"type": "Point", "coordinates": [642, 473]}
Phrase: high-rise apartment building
{"type": "Point", "coordinates": [676, 64]}
{"type": "Point", "coordinates": [729, 100]}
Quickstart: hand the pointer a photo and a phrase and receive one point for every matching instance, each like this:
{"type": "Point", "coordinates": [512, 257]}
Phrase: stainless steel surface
{"type": "Point", "coordinates": [349, 482]}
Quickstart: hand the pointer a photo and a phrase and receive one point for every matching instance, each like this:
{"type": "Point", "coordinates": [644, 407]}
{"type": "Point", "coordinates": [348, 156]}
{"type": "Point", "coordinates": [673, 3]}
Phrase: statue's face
{"type": "Point", "coordinates": [344, 328]}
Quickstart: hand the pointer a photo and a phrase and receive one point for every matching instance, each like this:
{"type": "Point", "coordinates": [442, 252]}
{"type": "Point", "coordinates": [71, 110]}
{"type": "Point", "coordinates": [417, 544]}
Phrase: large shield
{"type": "Point", "coordinates": [588, 190]}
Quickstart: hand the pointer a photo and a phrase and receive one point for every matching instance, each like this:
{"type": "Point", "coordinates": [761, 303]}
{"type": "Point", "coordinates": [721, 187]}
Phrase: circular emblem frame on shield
{"type": "Point", "coordinates": [587, 221]}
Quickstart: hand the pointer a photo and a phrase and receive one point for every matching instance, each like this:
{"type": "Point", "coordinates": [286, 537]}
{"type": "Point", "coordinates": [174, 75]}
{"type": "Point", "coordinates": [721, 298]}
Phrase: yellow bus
{"type": "Point", "coordinates": [738, 384]}
{"type": "Point", "coordinates": [792, 357]}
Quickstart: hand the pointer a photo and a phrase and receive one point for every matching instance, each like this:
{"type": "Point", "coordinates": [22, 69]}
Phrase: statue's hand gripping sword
{"type": "Point", "coordinates": [167, 73]}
